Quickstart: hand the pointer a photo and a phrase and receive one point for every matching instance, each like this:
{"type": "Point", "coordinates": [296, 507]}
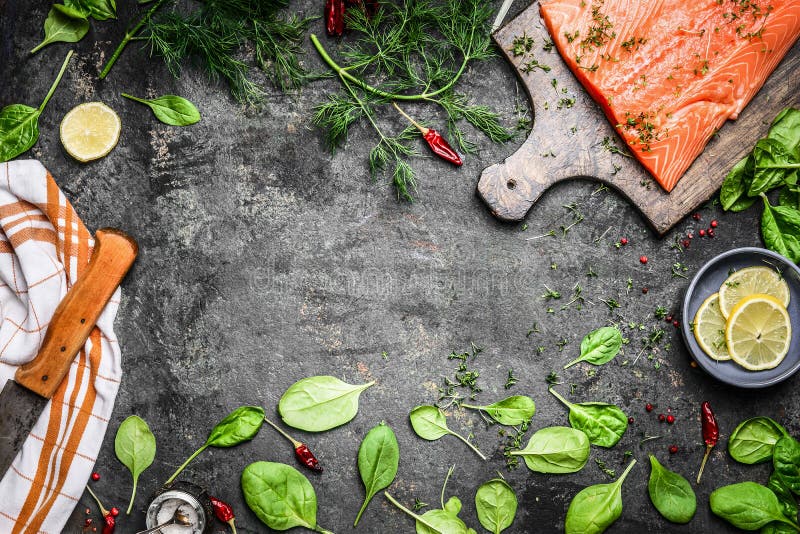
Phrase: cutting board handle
{"type": "Point", "coordinates": [77, 313]}
{"type": "Point", "coordinates": [510, 188]}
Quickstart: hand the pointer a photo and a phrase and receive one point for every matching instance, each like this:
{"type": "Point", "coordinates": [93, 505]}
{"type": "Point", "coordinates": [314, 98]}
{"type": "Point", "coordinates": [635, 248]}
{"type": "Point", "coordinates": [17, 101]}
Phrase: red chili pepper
{"type": "Point", "coordinates": [224, 512]}
{"type": "Point", "coordinates": [307, 458]}
{"type": "Point", "coordinates": [436, 142]}
{"type": "Point", "coordinates": [334, 17]}
{"type": "Point", "coordinates": [710, 433]}
{"type": "Point", "coordinates": [109, 524]}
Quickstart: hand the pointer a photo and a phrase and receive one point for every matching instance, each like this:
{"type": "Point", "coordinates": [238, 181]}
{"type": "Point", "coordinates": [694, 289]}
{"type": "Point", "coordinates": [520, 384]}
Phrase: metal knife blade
{"type": "Point", "coordinates": [23, 399]}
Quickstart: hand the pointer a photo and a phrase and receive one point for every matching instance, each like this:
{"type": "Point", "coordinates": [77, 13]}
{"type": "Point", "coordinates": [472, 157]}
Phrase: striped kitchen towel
{"type": "Point", "coordinates": [44, 249]}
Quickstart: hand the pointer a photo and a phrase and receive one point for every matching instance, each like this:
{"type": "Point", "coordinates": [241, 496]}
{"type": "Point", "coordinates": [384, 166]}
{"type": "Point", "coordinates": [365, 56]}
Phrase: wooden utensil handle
{"type": "Point", "coordinates": [77, 313]}
{"type": "Point", "coordinates": [510, 188]}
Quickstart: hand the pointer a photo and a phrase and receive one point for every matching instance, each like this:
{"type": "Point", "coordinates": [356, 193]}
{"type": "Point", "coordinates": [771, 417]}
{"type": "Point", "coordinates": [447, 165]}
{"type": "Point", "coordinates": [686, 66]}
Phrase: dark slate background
{"type": "Point", "coordinates": [264, 259]}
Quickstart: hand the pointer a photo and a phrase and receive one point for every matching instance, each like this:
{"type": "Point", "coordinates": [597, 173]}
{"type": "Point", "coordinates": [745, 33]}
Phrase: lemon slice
{"type": "Point", "coordinates": [749, 281]}
{"type": "Point", "coordinates": [709, 329]}
{"type": "Point", "coordinates": [90, 131]}
{"type": "Point", "coordinates": [758, 332]}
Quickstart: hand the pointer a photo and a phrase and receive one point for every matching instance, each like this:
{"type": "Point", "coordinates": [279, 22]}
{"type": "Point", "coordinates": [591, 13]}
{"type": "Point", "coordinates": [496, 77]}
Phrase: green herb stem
{"type": "Point", "coordinates": [133, 495]}
{"type": "Point", "coordinates": [559, 397]}
{"type": "Point", "coordinates": [344, 74]}
{"type": "Point", "coordinates": [128, 36]}
{"type": "Point", "coordinates": [282, 433]}
{"type": "Point", "coordinates": [184, 464]}
{"type": "Point", "coordinates": [470, 445]}
{"type": "Point", "coordinates": [627, 470]}
{"type": "Point", "coordinates": [409, 512]}
{"type": "Point", "coordinates": [55, 83]}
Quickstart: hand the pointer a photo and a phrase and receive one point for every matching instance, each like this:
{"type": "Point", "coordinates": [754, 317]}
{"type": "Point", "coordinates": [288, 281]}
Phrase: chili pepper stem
{"type": "Point", "coordinates": [232, 523]}
{"type": "Point", "coordinates": [99, 504]}
{"type": "Point", "coordinates": [703, 463]}
{"type": "Point", "coordinates": [422, 129]}
{"type": "Point", "coordinates": [282, 433]}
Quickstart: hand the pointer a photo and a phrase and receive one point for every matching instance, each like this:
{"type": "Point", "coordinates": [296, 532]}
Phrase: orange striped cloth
{"type": "Point", "coordinates": [44, 248]}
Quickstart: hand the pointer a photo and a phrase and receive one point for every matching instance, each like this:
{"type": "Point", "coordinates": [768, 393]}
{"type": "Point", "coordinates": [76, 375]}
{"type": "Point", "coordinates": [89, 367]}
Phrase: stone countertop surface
{"type": "Point", "coordinates": [265, 259]}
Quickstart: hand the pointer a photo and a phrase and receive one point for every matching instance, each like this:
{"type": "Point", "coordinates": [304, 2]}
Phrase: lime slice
{"type": "Point", "coordinates": [90, 131]}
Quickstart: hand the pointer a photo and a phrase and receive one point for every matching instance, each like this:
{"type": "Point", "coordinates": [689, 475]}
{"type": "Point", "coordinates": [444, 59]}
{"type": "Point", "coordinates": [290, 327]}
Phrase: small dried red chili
{"type": "Point", "coordinates": [109, 522]}
{"type": "Point", "coordinates": [224, 512]}
{"type": "Point", "coordinates": [436, 142]}
{"type": "Point", "coordinates": [301, 450]}
{"type": "Point", "coordinates": [710, 433]}
{"type": "Point", "coordinates": [334, 17]}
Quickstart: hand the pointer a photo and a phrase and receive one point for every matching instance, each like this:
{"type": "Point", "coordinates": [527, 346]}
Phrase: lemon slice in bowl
{"type": "Point", "coordinates": [90, 131]}
{"type": "Point", "coordinates": [750, 281]}
{"type": "Point", "coordinates": [758, 332]}
{"type": "Point", "coordinates": [709, 329]}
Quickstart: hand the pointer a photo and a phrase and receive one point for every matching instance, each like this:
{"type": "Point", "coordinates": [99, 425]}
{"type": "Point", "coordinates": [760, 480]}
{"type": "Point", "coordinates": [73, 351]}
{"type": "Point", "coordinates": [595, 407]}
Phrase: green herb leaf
{"type": "Point", "coordinates": [511, 411]}
{"type": "Point", "coordinates": [784, 495]}
{"type": "Point", "coordinates": [239, 426]}
{"type": "Point", "coordinates": [444, 521]}
{"type": "Point", "coordinates": [97, 9]}
{"type": "Point", "coordinates": [378, 460]}
{"type": "Point", "coordinates": [748, 506]}
{"type": "Point", "coordinates": [596, 507]}
{"type": "Point", "coordinates": [671, 494]}
{"type": "Point", "coordinates": [780, 228]}
{"type": "Point", "coordinates": [603, 423]}
{"type": "Point", "coordinates": [753, 440]}
{"type": "Point", "coordinates": [430, 423]}
{"type": "Point", "coordinates": [773, 163]}
{"type": "Point", "coordinates": [496, 505]}
{"type": "Point", "coordinates": [280, 496]}
{"type": "Point", "coordinates": [599, 346]}
{"type": "Point", "coordinates": [135, 447]}
{"type": "Point", "coordinates": [63, 24]}
{"type": "Point", "coordinates": [733, 193]}
{"type": "Point", "coordinates": [171, 109]}
{"type": "Point", "coordinates": [556, 449]}
{"type": "Point", "coordinates": [319, 403]}
{"type": "Point", "coordinates": [786, 460]}
{"type": "Point", "coordinates": [19, 124]}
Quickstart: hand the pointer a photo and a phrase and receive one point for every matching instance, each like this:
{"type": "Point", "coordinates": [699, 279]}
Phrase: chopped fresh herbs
{"type": "Point", "coordinates": [511, 380]}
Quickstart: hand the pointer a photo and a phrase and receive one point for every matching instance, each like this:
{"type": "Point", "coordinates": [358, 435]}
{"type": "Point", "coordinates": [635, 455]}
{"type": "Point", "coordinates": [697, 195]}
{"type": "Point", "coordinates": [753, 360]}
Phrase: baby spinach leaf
{"type": "Point", "coordinates": [280, 496]}
{"type": "Point", "coordinates": [786, 460]}
{"type": "Point", "coordinates": [97, 9]}
{"type": "Point", "coordinates": [496, 505]}
{"type": "Point", "coordinates": [748, 506]}
{"type": "Point", "coordinates": [670, 493]}
{"type": "Point", "coordinates": [135, 447]}
{"type": "Point", "coordinates": [753, 440]}
{"type": "Point", "coordinates": [556, 449]}
{"type": "Point", "coordinates": [596, 507]}
{"type": "Point", "coordinates": [789, 198]}
{"type": "Point", "coordinates": [239, 426]}
{"type": "Point", "coordinates": [599, 346]}
{"type": "Point", "coordinates": [780, 228]}
{"type": "Point", "coordinates": [430, 423]}
{"type": "Point", "coordinates": [511, 411]}
{"type": "Point", "coordinates": [170, 109]}
{"type": "Point", "coordinates": [784, 495]}
{"type": "Point", "coordinates": [773, 163]}
{"type": "Point", "coordinates": [319, 403]}
{"type": "Point", "coordinates": [786, 128]}
{"type": "Point", "coordinates": [604, 424]}
{"type": "Point", "coordinates": [378, 460]}
{"type": "Point", "coordinates": [63, 24]}
{"type": "Point", "coordinates": [444, 521]}
{"type": "Point", "coordinates": [19, 126]}
{"type": "Point", "coordinates": [734, 189]}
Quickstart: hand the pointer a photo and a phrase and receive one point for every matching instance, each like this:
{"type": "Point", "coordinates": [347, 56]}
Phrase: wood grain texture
{"type": "Point", "coordinates": [77, 313]}
{"type": "Point", "coordinates": [568, 143]}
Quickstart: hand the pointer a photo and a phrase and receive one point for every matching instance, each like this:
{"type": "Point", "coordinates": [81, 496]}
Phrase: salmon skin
{"type": "Point", "coordinates": [669, 73]}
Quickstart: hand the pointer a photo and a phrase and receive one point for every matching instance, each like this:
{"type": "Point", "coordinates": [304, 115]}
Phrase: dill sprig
{"type": "Point", "coordinates": [412, 52]}
{"type": "Point", "coordinates": [227, 38]}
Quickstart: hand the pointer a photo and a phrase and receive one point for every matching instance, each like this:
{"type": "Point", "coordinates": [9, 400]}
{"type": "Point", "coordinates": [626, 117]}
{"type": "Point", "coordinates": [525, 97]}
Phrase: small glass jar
{"type": "Point", "coordinates": [190, 499]}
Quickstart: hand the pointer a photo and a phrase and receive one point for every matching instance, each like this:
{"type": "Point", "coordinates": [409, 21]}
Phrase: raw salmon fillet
{"type": "Point", "coordinates": [669, 73]}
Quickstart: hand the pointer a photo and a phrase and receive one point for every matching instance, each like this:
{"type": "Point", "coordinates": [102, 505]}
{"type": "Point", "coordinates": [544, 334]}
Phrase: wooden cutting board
{"type": "Point", "coordinates": [568, 142]}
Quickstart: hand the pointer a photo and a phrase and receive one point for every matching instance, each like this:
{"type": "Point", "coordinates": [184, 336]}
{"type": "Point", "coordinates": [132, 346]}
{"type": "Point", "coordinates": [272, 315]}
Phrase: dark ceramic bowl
{"type": "Point", "coordinates": [707, 281]}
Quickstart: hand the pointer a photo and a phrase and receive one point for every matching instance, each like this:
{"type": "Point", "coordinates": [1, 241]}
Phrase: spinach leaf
{"type": "Point", "coordinates": [786, 128]}
{"type": "Point", "coordinates": [736, 184]}
{"type": "Point", "coordinates": [496, 505]}
{"type": "Point", "coordinates": [789, 198]}
{"type": "Point", "coordinates": [670, 493]}
{"type": "Point", "coordinates": [170, 109]}
{"type": "Point", "coordinates": [596, 507]}
{"type": "Point", "coordinates": [752, 441]}
{"type": "Point", "coordinates": [511, 411]}
{"type": "Point", "coordinates": [320, 403]}
{"type": "Point", "coordinates": [780, 228]}
{"type": "Point", "coordinates": [239, 426]}
{"type": "Point", "coordinates": [556, 449]}
{"type": "Point", "coordinates": [19, 126]}
{"type": "Point", "coordinates": [777, 528]}
{"type": "Point", "coordinates": [97, 9]}
{"type": "Point", "coordinates": [604, 424]}
{"type": "Point", "coordinates": [748, 506]}
{"type": "Point", "coordinates": [430, 423]}
{"type": "Point", "coordinates": [378, 460]}
{"type": "Point", "coordinates": [63, 24]}
{"type": "Point", "coordinates": [773, 163]}
{"type": "Point", "coordinates": [444, 521]}
{"type": "Point", "coordinates": [135, 447]}
{"type": "Point", "coordinates": [786, 460]}
{"type": "Point", "coordinates": [280, 496]}
{"type": "Point", "coordinates": [599, 346]}
{"type": "Point", "coordinates": [784, 495]}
